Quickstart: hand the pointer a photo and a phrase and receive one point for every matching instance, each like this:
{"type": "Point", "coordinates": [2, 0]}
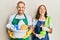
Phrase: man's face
{"type": "Point", "coordinates": [20, 8]}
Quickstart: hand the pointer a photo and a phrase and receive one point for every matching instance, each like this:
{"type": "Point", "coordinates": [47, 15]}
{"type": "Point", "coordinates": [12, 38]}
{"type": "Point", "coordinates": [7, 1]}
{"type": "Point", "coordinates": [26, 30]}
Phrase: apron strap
{"type": "Point", "coordinates": [16, 21]}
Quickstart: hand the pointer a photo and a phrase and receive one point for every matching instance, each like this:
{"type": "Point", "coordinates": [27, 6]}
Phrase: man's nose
{"type": "Point", "coordinates": [20, 8]}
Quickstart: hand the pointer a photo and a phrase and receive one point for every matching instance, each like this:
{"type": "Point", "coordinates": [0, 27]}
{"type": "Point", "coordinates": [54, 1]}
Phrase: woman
{"type": "Point", "coordinates": [42, 24]}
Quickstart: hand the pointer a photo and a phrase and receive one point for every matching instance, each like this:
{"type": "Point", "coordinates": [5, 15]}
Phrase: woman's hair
{"type": "Point", "coordinates": [38, 13]}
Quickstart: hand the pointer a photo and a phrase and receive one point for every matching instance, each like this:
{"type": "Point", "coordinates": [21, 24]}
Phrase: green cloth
{"type": "Point", "coordinates": [47, 24]}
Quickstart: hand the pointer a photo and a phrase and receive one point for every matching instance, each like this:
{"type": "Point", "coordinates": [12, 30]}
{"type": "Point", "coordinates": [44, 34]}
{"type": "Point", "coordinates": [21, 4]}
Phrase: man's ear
{"type": "Point", "coordinates": [24, 7]}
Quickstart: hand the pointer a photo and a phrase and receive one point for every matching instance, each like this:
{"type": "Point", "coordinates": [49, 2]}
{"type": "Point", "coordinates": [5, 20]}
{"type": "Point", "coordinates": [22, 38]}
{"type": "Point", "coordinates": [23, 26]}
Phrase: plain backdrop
{"type": "Point", "coordinates": [8, 7]}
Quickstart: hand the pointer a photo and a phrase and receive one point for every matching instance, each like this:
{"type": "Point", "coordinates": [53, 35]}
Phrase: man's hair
{"type": "Point", "coordinates": [20, 2]}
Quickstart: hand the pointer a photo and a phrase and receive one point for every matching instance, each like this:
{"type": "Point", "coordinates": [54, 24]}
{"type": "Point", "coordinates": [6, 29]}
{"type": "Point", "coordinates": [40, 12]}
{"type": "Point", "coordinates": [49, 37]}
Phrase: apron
{"type": "Point", "coordinates": [15, 22]}
{"type": "Point", "coordinates": [38, 29]}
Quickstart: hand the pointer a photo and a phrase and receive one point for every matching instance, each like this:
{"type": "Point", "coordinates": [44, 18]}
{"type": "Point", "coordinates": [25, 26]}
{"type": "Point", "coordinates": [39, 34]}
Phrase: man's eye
{"type": "Point", "coordinates": [20, 7]}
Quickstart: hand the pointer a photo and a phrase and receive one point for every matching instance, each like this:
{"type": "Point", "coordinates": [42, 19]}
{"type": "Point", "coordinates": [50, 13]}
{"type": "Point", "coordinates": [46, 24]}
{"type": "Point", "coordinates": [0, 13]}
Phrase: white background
{"type": "Point", "coordinates": [8, 7]}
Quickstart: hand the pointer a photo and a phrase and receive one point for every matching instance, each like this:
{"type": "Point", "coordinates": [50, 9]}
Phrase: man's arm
{"type": "Point", "coordinates": [30, 30]}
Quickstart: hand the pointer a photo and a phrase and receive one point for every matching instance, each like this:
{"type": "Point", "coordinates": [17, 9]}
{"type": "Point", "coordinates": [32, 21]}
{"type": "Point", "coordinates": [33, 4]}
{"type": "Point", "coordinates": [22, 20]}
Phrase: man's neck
{"type": "Point", "coordinates": [20, 14]}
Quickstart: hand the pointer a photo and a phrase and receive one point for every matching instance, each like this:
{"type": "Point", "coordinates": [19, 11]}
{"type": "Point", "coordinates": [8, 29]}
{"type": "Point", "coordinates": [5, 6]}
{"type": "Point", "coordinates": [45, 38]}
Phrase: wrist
{"type": "Point", "coordinates": [46, 29]}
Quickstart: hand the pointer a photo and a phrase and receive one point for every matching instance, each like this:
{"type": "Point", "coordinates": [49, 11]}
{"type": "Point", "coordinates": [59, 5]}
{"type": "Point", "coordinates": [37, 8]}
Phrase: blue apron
{"type": "Point", "coordinates": [38, 29]}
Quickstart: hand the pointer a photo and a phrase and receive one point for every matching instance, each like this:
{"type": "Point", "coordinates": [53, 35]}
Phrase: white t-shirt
{"type": "Point", "coordinates": [18, 33]}
{"type": "Point", "coordinates": [35, 22]}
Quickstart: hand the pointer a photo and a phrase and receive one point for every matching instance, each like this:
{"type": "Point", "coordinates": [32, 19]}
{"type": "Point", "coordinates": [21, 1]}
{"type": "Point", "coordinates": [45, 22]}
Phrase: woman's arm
{"type": "Point", "coordinates": [33, 32]}
{"type": "Point", "coordinates": [51, 26]}
{"type": "Point", "coordinates": [50, 30]}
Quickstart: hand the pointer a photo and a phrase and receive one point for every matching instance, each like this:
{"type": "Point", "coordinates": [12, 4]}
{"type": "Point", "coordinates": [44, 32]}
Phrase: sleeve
{"type": "Point", "coordinates": [51, 24]}
{"type": "Point", "coordinates": [29, 20]}
{"type": "Point", "coordinates": [10, 25]}
{"type": "Point", "coordinates": [34, 22]}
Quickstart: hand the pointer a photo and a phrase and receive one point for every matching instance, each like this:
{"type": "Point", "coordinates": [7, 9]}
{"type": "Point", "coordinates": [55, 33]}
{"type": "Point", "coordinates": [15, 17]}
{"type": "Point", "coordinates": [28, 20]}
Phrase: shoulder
{"type": "Point", "coordinates": [11, 17]}
{"type": "Point", "coordinates": [34, 20]}
{"type": "Point", "coordinates": [28, 16]}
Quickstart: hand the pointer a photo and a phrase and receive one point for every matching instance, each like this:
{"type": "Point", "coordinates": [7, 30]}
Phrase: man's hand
{"type": "Point", "coordinates": [28, 32]}
{"type": "Point", "coordinates": [10, 34]}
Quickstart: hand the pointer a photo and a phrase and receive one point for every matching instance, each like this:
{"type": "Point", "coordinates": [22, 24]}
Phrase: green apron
{"type": "Point", "coordinates": [15, 22]}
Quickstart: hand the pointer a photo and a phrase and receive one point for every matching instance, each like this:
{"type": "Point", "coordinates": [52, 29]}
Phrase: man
{"type": "Point", "coordinates": [20, 24]}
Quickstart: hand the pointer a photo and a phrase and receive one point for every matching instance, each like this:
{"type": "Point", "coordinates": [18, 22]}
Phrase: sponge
{"type": "Point", "coordinates": [24, 27]}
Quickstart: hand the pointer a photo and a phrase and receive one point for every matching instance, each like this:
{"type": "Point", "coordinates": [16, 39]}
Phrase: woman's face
{"type": "Point", "coordinates": [42, 10]}
{"type": "Point", "coordinates": [21, 8]}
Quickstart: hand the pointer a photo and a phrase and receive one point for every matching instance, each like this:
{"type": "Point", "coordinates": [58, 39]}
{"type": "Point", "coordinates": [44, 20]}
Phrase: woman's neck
{"type": "Point", "coordinates": [42, 17]}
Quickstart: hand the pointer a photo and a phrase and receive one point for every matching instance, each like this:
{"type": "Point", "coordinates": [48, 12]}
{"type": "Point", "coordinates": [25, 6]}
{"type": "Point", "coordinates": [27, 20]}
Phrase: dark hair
{"type": "Point", "coordinates": [38, 14]}
{"type": "Point", "coordinates": [20, 2]}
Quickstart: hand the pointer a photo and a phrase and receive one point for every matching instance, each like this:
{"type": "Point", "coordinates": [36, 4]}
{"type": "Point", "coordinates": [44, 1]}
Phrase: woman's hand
{"type": "Point", "coordinates": [39, 36]}
{"type": "Point", "coordinates": [46, 29]}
